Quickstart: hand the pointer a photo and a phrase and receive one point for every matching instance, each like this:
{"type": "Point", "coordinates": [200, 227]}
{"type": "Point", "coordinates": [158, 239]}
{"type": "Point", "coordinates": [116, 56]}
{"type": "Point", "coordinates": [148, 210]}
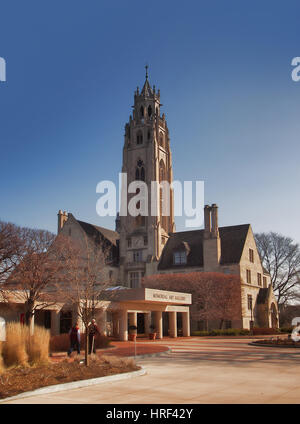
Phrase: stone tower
{"type": "Point", "coordinates": [146, 157]}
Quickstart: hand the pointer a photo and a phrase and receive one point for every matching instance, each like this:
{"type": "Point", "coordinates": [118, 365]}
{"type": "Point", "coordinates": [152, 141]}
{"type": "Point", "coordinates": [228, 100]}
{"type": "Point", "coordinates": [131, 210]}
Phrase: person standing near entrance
{"type": "Point", "coordinates": [93, 331]}
{"type": "Point", "coordinates": [74, 334]}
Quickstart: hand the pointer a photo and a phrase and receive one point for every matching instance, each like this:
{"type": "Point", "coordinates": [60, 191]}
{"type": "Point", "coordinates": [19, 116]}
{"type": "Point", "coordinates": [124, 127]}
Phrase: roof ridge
{"type": "Point", "coordinates": [202, 229]}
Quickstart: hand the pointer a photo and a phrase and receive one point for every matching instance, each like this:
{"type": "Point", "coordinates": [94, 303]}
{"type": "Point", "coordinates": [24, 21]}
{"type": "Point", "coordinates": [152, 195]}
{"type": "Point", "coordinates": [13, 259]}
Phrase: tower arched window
{"type": "Point", "coordinates": [139, 138]}
{"type": "Point", "coordinates": [149, 111]}
{"type": "Point", "coordinates": [140, 171]}
{"type": "Point", "coordinates": [161, 140]}
{"type": "Point", "coordinates": [141, 112]}
{"type": "Point", "coordinates": [149, 135]}
{"type": "Point", "coordinates": [162, 177]}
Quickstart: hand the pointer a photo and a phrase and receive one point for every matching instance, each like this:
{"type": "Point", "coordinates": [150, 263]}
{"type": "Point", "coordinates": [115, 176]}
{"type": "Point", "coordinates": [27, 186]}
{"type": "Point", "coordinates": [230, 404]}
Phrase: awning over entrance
{"type": "Point", "coordinates": [154, 305]}
{"type": "Point", "coordinates": [146, 295]}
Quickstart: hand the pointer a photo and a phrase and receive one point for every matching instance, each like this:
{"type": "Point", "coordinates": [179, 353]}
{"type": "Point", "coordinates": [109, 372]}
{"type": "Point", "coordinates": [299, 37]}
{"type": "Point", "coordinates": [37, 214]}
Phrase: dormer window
{"type": "Point", "coordinates": [179, 258]}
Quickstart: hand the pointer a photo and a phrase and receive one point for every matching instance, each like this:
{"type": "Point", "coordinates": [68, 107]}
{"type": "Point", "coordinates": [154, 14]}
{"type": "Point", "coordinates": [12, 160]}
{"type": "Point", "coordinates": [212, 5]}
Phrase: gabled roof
{"type": "Point", "coordinates": [94, 230]}
{"type": "Point", "coordinates": [232, 243]}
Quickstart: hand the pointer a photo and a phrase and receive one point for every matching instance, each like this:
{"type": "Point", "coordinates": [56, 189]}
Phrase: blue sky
{"type": "Point", "coordinates": [224, 71]}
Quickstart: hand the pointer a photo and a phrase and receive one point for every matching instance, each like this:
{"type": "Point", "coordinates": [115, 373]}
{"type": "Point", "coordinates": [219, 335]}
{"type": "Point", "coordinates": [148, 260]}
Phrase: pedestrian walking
{"type": "Point", "coordinates": [74, 334]}
{"type": "Point", "coordinates": [93, 331]}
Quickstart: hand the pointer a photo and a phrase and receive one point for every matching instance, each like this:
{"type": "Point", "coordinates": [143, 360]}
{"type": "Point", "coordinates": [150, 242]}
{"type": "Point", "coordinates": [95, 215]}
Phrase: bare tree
{"type": "Point", "coordinates": [215, 296]}
{"type": "Point", "coordinates": [85, 279]}
{"type": "Point", "coordinates": [10, 249]}
{"type": "Point", "coordinates": [39, 266]}
{"type": "Point", "coordinates": [227, 298]}
{"type": "Point", "coordinates": [281, 258]}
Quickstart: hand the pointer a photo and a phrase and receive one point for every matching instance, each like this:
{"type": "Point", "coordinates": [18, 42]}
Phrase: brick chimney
{"type": "Point", "coordinates": [211, 239]}
{"type": "Point", "coordinates": [207, 221]}
{"type": "Point", "coordinates": [214, 220]}
{"type": "Point", "coordinates": [61, 219]}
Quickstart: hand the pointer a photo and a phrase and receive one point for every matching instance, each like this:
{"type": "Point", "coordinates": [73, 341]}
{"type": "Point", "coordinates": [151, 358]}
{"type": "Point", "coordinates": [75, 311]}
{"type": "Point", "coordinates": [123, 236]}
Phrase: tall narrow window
{"type": "Point", "coordinates": [139, 138]}
{"type": "Point", "coordinates": [162, 177]}
{"type": "Point", "coordinates": [265, 281]}
{"type": "Point", "coordinates": [248, 276]}
{"type": "Point", "coordinates": [149, 111]}
{"type": "Point", "coordinates": [137, 256]}
{"type": "Point", "coordinates": [140, 171]}
{"type": "Point", "coordinates": [141, 112]}
{"type": "Point", "coordinates": [251, 255]}
{"type": "Point", "coordinates": [259, 278]}
{"type": "Point", "coordinates": [250, 302]}
{"type": "Point", "coordinates": [134, 280]}
{"type": "Point", "coordinates": [161, 140]}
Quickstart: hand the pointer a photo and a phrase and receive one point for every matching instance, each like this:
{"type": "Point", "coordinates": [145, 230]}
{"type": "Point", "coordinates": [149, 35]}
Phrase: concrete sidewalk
{"type": "Point", "coordinates": [200, 371]}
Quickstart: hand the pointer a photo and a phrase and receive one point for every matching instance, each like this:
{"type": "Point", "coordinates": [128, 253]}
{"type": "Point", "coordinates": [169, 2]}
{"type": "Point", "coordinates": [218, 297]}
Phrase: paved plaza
{"type": "Point", "coordinates": [200, 370]}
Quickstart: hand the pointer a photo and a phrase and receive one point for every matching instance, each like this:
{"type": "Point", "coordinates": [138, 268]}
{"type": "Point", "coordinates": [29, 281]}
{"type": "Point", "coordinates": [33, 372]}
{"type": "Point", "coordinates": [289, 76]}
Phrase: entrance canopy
{"type": "Point", "coordinates": [145, 295]}
{"type": "Point", "coordinates": [152, 303]}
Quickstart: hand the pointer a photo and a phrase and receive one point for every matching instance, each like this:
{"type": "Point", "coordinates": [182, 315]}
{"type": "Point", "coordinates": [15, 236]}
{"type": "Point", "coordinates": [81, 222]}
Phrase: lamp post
{"type": "Point", "coordinates": [251, 320]}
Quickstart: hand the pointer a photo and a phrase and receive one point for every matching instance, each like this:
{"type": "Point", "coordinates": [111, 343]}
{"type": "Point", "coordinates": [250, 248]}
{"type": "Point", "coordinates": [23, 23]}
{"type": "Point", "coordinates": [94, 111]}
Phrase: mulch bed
{"type": "Point", "coordinates": [22, 379]}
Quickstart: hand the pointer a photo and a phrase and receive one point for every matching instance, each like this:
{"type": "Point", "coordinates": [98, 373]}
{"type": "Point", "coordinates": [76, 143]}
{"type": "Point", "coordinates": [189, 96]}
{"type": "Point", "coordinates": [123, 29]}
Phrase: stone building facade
{"type": "Point", "coordinates": [146, 245]}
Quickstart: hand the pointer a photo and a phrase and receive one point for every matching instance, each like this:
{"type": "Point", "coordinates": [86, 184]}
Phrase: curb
{"type": "Point", "coordinates": [76, 385]}
{"type": "Point", "coordinates": [271, 345]}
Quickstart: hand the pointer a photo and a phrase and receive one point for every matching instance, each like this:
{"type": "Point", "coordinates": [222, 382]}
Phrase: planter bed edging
{"type": "Point", "coordinates": [76, 384]}
{"type": "Point", "coordinates": [272, 345]}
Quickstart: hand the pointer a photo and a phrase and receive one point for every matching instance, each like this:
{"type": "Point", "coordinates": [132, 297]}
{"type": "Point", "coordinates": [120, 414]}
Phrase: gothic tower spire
{"type": "Point", "coordinates": [146, 157]}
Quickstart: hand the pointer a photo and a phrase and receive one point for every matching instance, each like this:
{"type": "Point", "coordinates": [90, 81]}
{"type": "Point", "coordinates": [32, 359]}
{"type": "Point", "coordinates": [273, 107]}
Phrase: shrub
{"type": "Point", "coordinates": [264, 331]}
{"type": "Point", "coordinates": [14, 348]}
{"type": "Point", "coordinates": [20, 347]}
{"type": "Point", "coordinates": [61, 342]}
{"type": "Point", "coordinates": [200, 333]}
{"type": "Point", "coordinates": [286, 329]}
{"type": "Point", "coordinates": [37, 345]}
{"type": "Point", "coordinates": [244, 332]}
{"type": "Point", "coordinates": [227, 332]}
